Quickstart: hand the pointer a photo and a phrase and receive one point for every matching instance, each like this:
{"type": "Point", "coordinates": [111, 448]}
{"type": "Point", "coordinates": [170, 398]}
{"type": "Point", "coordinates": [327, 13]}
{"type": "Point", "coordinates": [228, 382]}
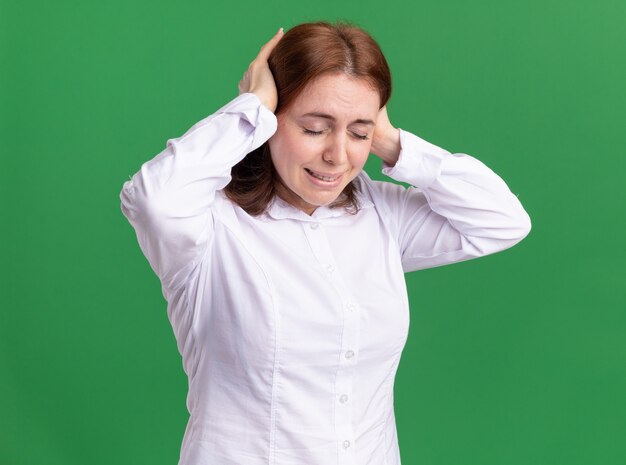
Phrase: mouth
{"type": "Point", "coordinates": [324, 177]}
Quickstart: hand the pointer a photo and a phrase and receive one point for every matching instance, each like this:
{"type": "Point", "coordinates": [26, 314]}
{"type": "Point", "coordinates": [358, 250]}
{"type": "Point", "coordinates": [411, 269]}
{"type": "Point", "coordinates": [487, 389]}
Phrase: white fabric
{"type": "Point", "coordinates": [291, 326]}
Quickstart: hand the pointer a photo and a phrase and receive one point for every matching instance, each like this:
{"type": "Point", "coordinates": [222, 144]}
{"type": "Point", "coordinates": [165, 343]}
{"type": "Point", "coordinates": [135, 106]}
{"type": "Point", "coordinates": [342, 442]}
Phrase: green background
{"type": "Point", "coordinates": [514, 358]}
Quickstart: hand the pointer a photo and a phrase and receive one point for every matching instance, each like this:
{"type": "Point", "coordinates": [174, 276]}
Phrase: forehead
{"type": "Point", "coordinates": [339, 95]}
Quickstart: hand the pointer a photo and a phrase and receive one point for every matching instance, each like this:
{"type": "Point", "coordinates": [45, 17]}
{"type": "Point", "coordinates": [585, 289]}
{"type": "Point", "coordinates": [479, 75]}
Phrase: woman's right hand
{"type": "Point", "coordinates": [258, 78]}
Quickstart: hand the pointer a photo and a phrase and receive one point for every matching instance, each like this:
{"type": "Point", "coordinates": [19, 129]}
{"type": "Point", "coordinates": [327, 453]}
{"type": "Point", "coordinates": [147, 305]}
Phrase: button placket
{"type": "Point", "coordinates": [319, 246]}
{"type": "Point", "coordinates": [344, 383]}
{"type": "Point", "coordinates": [349, 317]}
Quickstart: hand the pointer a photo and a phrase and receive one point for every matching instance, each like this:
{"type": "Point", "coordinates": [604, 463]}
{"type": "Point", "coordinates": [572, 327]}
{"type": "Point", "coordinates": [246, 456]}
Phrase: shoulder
{"type": "Point", "coordinates": [382, 192]}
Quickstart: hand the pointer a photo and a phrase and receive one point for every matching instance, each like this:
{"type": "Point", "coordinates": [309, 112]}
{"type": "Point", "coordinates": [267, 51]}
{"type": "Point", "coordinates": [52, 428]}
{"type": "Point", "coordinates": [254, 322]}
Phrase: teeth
{"type": "Point", "coordinates": [323, 178]}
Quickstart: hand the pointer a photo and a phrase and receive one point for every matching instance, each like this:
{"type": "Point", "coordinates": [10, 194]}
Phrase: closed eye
{"type": "Point", "coordinates": [317, 133]}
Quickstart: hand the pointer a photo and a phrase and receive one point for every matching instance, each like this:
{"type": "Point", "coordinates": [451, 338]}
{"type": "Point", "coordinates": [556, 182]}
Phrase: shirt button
{"type": "Point", "coordinates": [343, 399]}
{"type": "Point", "coordinates": [330, 268]}
{"type": "Point", "coordinates": [351, 307]}
{"type": "Point", "coordinates": [346, 444]}
{"type": "Point", "coordinates": [349, 354]}
{"type": "Point", "coordinates": [315, 225]}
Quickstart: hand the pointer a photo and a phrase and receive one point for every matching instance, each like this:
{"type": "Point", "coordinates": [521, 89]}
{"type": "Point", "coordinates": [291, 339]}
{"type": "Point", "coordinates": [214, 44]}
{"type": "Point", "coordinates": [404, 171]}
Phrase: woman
{"type": "Point", "coordinates": [282, 262]}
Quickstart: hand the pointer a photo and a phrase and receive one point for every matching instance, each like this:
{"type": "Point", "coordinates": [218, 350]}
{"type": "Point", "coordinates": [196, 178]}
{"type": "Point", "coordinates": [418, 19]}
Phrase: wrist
{"type": "Point", "coordinates": [388, 146]}
{"type": "Point", "coordinates": [268, 101]}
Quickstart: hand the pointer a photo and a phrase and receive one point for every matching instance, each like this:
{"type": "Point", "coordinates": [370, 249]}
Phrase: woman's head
{"type": "Point", "coordinates": [331, 82]}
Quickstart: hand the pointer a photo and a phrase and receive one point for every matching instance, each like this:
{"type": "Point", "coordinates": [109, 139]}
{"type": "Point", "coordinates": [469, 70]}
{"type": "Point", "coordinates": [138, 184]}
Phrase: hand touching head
{"type": "Point", "coordinates": [258, 78]}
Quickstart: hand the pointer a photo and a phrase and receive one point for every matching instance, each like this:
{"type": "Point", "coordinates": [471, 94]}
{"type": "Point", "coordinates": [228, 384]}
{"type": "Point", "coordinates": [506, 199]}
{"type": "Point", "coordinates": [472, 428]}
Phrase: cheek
{"type": "Point", "coordinates": [280, 149]}
{"type": "Point", "coordinates": [360, 157]}
{"type": "Point", "coordinates": [289, 149]}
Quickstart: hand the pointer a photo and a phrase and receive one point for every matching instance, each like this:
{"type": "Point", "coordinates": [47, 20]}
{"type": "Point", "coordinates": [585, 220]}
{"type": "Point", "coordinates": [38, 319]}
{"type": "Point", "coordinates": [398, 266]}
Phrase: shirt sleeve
{"type": "Point", "coordinates": [169, 200]}
{"type": "Point", "coordinates": [456, 208]}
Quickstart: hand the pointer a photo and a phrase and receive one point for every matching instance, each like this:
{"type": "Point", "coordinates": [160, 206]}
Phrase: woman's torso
{"type": "Point", "coordinates": [291, 330]}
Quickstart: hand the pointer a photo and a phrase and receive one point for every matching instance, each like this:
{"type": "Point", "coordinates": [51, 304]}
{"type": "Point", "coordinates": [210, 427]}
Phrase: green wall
{"type": "Point", "coordinates": [513, 359]}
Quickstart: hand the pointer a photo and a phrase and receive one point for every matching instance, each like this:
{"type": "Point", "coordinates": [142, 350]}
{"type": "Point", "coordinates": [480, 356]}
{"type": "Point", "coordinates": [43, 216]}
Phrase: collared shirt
{"type": "Point", "coordinates": [291, 326]}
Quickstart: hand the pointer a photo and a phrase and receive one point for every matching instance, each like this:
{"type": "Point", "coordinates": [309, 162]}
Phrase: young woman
{"type": "Point", "coordinates": [283, 263]}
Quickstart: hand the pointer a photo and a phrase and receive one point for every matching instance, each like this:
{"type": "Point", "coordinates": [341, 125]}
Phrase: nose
{"type": "Point", "coordinates": [336, 152]}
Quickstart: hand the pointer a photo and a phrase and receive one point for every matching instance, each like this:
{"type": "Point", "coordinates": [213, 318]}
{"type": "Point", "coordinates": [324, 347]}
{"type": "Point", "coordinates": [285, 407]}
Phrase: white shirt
{"type": "Point", "coordinates": [291, 326]}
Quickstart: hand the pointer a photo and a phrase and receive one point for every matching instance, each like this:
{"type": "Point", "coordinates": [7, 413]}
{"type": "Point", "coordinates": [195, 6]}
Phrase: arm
{"type": "Point", "coordinates": [458, 209]}
{"type": "Point", "coordinates": [168, 201]}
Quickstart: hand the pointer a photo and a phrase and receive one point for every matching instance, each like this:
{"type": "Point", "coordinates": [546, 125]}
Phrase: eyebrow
{"type": "Point", "coordinates": [332, 118]}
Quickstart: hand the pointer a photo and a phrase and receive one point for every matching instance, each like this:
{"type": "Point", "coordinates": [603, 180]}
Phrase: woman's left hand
{"type": "Point", "coordinates": [386, 139]}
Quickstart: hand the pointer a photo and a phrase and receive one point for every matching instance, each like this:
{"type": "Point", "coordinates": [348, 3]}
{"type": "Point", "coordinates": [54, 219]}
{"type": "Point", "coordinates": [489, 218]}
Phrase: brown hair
{"type": "Point", "coordinates": [306, 52]}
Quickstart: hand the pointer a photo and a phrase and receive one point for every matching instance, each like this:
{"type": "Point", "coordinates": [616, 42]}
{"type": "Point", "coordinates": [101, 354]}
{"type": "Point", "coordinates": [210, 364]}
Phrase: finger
{"type": "Point", "coordinates": [269, 46]}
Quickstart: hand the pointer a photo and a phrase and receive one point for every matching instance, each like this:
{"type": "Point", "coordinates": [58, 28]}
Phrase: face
{"type": "Point", "coordinates": [323, 139]}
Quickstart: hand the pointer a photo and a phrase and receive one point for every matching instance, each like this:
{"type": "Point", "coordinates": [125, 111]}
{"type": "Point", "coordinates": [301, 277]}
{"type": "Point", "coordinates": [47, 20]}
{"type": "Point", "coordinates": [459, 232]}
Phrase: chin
{"type": "Point", "coordinates": [321, 201]}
